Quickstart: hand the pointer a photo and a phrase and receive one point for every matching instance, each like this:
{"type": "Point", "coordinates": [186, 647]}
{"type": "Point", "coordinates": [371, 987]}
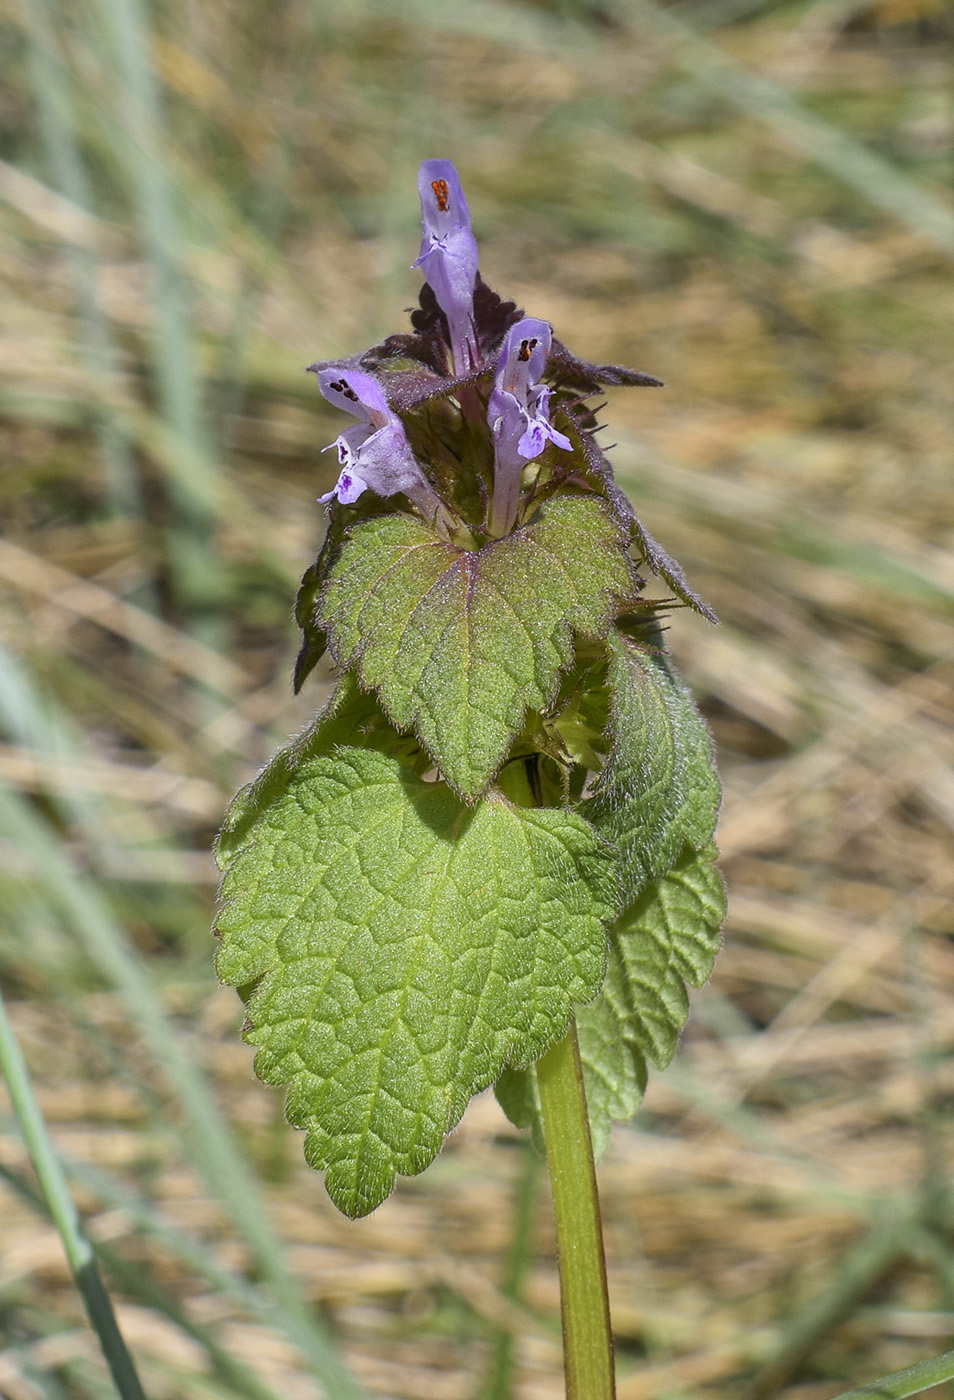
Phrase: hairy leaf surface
{"type": "Point", "coordinates": [461, 643]}
{"type": "Point", "coordinates": [399, 949]}
{"type": "Point", "coordinates": [658, 791]}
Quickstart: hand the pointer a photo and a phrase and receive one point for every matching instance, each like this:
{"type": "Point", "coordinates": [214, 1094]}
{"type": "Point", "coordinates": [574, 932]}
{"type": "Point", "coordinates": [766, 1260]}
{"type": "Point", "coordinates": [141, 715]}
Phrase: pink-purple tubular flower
{"type": "Point", "coordinates": [374, 454]}
{"type": "Point", "coordinates": [519, 414]}
{"type": "Point", "coordinates": [449, 257]}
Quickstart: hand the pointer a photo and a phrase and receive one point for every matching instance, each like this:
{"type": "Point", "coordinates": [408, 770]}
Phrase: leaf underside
{"type": "Point", "coordinates": [669, 937]}
{"type": "Point", "coordinates": [400, 949]}
{"type": "Point", "coordinates": [461, 644]}
{"type": "Point", "coordinates": [658, 791]}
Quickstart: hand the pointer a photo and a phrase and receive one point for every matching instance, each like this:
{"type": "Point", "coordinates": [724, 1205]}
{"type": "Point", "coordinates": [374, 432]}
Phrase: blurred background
{"type": "Point", "coordinates": [749, 198]}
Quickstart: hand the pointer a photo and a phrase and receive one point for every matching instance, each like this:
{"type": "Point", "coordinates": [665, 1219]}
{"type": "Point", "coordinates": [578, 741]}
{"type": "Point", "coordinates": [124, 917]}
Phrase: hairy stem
{"type": "Point", "coordinates": [584, 1301]}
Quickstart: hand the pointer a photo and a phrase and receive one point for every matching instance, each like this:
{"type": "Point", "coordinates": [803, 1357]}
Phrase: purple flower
{"type": "Point", "coordinates": [519, 414]}
{"type": "Point", "coordinates": [449, 257]}
{"type": "Point", "coordinates": [375, 453]}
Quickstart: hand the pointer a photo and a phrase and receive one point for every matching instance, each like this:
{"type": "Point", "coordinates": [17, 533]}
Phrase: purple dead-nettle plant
{"type": "Point", "coordinates": [489, 859]}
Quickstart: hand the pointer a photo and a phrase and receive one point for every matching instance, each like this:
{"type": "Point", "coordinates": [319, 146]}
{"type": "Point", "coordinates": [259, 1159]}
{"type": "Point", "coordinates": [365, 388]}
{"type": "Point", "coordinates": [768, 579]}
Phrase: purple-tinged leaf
{"type": "Point", "coordinates": [659, 561]}
{"type": "Point", "coordinates": [565, 371]}
{"type": "Point", "coordinates": [428, 351]}
{"type": "Point", "coordinates": [670, 570]}
{"type": "Point", "coordinates": [493, 317]}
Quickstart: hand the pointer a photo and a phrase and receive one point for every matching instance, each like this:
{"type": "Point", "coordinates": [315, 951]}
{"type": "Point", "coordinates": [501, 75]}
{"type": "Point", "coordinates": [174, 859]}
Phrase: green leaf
{"type": "Point", "coordinates": [461, 643]}
{"type": "Point", "coordinates": [668, 938]}
{"type": "Point", "coordinates": [400, 950]}
{"type": "Point", "coordinates": [657, 800]}
{"type": "Point", "coordinates": [658, 791]}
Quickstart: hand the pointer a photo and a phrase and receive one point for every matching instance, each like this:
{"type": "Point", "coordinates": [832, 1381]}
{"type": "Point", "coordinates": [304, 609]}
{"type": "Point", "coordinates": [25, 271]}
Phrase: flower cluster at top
{"type": "Point", "coordinates": [477, 414]}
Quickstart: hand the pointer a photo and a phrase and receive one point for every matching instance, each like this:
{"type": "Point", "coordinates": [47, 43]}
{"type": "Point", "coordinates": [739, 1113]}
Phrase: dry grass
{"type": "Point", "coordinates": [779, 1216]}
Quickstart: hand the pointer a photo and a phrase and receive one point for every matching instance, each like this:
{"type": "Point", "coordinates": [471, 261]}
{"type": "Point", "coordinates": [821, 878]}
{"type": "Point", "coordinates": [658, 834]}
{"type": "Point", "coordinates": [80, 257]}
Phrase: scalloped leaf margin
{"type": "Point", "coordinates": [398, 949]}
{"type": "Point", "coordinates": [460, 644]}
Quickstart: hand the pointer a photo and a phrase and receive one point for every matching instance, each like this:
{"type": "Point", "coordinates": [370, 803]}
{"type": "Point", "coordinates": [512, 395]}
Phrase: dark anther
{"type": "Point", "coordinates": [440, 193]}
{"type": "Point", "coordinates": [526, 349]}
{"type": "Point", "coordinates": [343, 387]}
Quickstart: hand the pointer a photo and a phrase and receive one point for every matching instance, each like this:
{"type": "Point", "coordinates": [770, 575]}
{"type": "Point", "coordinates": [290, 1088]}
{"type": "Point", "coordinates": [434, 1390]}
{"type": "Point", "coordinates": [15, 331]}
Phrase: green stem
{"type": "Point", "coordinates": [56, 1193]}
{"type": "Point", "coordinates": [584, 1300]}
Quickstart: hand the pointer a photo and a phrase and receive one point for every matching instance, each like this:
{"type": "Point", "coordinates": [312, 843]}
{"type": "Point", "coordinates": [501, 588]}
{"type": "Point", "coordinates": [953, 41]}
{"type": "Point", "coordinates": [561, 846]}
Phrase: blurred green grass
{"type": "Point", "coordinates": [751, 200]}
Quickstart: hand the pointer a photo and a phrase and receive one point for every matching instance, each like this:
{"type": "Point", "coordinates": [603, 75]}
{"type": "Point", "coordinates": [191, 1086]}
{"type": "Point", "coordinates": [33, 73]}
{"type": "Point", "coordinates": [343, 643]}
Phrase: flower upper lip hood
{"type": "Point", "coordinates": [449, 257]}
{"type": "Point", "coordinates": [356, 392]}
{"type": "Point", "coordinates": [523, 356]}
{"type": "Point", "coordinates": [443, 202]}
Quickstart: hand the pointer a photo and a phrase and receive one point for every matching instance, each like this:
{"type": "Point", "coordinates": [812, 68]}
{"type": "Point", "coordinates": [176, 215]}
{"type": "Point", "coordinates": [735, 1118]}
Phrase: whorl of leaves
{"type": "Point", "coordinates": [504, 816]}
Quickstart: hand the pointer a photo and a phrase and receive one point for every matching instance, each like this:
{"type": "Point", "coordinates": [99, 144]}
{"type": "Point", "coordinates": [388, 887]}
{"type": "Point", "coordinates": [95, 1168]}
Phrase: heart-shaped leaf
{"type": "Point", "coordinates": [398, 949]}
{"type": "Point", "coordinates": [461, 643]}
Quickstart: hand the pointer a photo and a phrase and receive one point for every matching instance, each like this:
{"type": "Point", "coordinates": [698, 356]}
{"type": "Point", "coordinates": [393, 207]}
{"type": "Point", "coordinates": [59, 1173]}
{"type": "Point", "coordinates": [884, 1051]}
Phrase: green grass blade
{"type": "Point", "coordinates": [147, 1219]}
{"type": "Point", "coordinates": [861, 1268]}
{"type": "Point", "coordinates": [240, 1379]}
{"type": "Point", "coordinates": [213, 1148]}
{"type": "Point", "coordinates": [500, 1383]}
{"type": "Point", "coordinates": [137, 140]}
{"type": "Point", "coordinates": [910, 1381]}
{"type": "Point", "coordinates": [56, 1193]}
